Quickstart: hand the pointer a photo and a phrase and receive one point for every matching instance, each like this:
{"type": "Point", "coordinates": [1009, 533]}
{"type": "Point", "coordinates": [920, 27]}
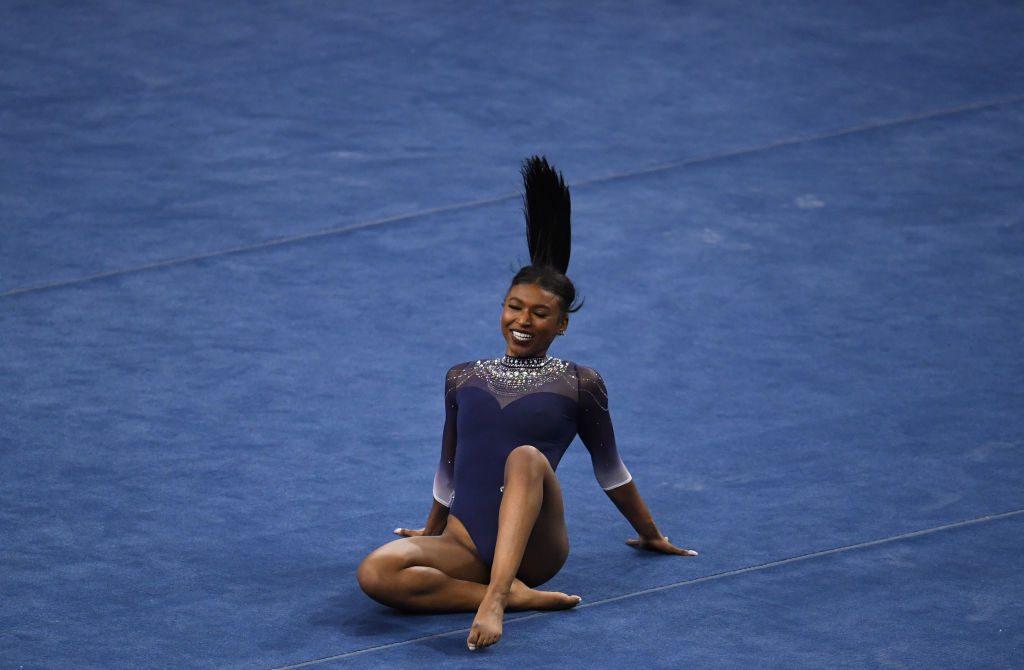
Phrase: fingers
{"type": "Point", "coordinates": [669, 548]}
{"type": "Point", "coordinates": [683, 552]}
{"type": "Point", "coordinates": [662, 546]}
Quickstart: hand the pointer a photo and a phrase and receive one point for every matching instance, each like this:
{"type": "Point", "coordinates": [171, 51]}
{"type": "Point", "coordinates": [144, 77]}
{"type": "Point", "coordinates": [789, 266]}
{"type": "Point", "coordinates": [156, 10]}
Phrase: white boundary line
{"type": "Point", "coordinates": [814, 137]}
{"type": "Point", "coordinates": [254, 247]}
{"type": "Point", "coordinates": [666, 587]}
{"type": "Point", "coordinates": [803, 139]}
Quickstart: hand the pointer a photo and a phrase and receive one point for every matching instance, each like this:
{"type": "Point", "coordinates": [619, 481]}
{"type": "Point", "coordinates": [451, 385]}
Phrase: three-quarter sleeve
{"type": "Point", "coordinates": [596, 432]}
{"type": "Point", "coordinates": [444, 478]}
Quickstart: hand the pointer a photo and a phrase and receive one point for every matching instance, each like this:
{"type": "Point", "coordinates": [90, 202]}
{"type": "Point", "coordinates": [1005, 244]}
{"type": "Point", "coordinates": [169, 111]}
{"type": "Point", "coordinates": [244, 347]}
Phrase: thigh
{"type": "Point", "coordinates": [548, 546]}
{"type": "Point", "coordinates": [452, 552]}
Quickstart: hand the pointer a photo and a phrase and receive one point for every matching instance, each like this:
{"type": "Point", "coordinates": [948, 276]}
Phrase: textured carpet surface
{"type": "Point", "coordinates": [241, 244]}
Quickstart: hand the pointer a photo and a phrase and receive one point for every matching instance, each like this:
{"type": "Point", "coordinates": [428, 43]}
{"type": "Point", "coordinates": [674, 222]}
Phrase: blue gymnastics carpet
{"type": "Point", "coordinates": [241, 244]}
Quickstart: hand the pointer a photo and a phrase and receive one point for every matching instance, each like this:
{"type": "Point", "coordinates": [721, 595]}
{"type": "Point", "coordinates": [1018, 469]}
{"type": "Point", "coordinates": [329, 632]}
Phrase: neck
{"type": "Point", "coordinates": [525, 361]}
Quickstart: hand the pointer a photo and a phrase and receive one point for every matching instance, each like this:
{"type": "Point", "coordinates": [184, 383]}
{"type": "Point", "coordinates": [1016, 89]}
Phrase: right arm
{"type": "Point", "coordinates": [444, 478]}
{"type": "Point", "coordinates": [436, 522]}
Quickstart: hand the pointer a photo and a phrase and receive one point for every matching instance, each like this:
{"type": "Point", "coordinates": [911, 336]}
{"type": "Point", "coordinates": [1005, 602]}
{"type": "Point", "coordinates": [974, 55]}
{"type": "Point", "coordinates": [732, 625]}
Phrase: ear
{"type": "Point", "coordinates": [563, 325]}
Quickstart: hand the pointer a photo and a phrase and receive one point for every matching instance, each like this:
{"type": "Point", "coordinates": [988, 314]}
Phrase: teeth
{"type": "Point", "coordinates": [522, 337]}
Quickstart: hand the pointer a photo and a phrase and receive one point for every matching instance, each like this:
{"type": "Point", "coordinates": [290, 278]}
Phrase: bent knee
{"type": "Point", "coordinates": [526, 453]}
{"type": "Point", "coordinates": [377, 574]}
{"type": "Point", "coordinates": [527, 456]}
{"type": "Point", "coordinates": [369, 574]}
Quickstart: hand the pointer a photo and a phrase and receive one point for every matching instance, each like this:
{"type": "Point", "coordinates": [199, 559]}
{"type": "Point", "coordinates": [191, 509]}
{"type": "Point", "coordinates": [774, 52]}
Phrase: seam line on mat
{"type": "Point", "coordinates": [667, 587]}
{"type": "Point", "coordinates": [661, 167]}
{"type": "Point", "coordinates": [804, 139]}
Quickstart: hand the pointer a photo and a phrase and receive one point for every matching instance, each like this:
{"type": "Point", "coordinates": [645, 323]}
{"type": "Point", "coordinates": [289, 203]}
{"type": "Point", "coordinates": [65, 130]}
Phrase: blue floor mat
{"type": "Point", "coordinates": [242, 245]}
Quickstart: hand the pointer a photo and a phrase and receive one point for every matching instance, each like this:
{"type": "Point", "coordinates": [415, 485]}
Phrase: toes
{"type": "Point", "coordinates": [473, 641]}
{"type": "Point", "coordinates": [481, 641]}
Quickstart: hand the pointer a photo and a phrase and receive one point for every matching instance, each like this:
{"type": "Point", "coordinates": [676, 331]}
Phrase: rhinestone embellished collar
{"type": "Point", "coordinates": [510, 376]}
{"type": "Point", "coordinates": [531, 363]}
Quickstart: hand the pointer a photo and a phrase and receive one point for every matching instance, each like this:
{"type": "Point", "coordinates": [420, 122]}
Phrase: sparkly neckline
{"type": "Point", "coordinates": [513, 362]}
{"type": "Point", "coordinates": [510, 376]}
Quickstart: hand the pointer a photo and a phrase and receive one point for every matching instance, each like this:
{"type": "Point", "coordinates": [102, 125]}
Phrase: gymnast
{"type": "Point", "coordinates": [496, 528]}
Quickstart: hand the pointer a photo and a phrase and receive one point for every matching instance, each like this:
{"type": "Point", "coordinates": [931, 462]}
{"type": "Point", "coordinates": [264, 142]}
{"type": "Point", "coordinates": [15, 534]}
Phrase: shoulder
{"type": "Point", "coordinates": [592, 389]}
{"type": "Point", "coordinates": [588, 376]}
{"type": "Point", "coordinates": [460, 368]}
{"type": "Point", "coordinates": [459, 374]}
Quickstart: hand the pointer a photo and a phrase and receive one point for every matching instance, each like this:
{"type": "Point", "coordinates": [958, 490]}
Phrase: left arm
{"type": "Point", "coordinates": [627, 499]}
{"type": "Point", "coordinates": [595, 429]}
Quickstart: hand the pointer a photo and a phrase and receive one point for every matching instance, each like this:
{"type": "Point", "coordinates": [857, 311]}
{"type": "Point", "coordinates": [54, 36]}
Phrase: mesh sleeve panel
{"type": "Point", "coordinates": [596, 432]}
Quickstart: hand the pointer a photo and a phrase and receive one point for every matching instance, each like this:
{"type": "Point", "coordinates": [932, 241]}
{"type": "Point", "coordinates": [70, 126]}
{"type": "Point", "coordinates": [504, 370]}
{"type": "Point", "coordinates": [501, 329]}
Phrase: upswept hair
{"type": "Point", "coordinates": [547, 207]}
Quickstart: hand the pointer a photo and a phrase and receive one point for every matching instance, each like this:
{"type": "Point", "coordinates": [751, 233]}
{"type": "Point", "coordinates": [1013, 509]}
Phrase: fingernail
{"type": "Point", "coordinates": [472, 647]}
{"type": "Point", "coordinates": [397, 531]}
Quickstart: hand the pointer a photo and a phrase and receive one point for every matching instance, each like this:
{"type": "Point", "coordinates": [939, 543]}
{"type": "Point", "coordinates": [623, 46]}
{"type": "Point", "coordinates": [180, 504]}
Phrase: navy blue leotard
{"type": "Point", "coordinates": [494, 406]}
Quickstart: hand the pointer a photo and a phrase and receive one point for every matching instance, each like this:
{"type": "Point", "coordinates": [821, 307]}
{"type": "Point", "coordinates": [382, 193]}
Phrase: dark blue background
{"type": "Point", "coordinates": [241, 242]}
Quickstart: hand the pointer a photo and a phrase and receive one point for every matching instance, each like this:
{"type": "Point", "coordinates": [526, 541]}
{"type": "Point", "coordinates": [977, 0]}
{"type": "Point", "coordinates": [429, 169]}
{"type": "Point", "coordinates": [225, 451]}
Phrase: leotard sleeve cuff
{"type": "Point", "coordinates": [443, 491]}
{"type": "Point", "coordinates": [617, 484]}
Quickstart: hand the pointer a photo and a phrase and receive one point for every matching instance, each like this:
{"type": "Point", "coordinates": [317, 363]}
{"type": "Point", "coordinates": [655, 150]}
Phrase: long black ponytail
{"type": "Point", "coordinates": [548, 209]}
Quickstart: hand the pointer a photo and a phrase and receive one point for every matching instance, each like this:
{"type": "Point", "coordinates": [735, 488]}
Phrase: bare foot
{"type": "Point", "coordinates": [486, 628]}
{"type": "Point", "coordinates": [487, 625]}
{"type": "Point", "coordinates": [522, 597]}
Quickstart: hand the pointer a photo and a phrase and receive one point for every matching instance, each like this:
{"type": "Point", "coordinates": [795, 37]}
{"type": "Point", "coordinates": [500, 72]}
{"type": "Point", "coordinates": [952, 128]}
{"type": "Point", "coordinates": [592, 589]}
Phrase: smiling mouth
{"type": "Point", "coordinates": [520, 336]}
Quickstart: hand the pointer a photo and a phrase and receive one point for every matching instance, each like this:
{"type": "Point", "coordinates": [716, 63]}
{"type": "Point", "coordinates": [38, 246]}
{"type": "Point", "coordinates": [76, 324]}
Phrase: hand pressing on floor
{"type": "Point", "coordinates": [436, 522]}
{"type": "Point", "coordinates": [660, 545]}
{"type": "Point", "coordinates": [632, 506]}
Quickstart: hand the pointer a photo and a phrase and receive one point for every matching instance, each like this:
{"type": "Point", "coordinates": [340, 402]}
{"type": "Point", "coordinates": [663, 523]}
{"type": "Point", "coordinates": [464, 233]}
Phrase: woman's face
{"type": "Point", "coordinates": [531, 320]}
